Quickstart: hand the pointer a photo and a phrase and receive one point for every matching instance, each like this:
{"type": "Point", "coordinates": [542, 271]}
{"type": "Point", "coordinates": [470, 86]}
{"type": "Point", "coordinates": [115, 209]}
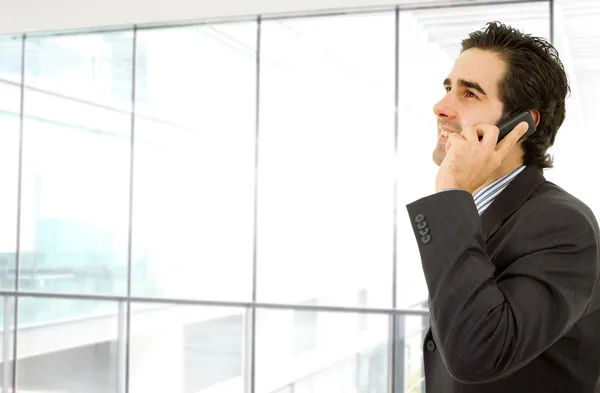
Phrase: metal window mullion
{"type": "Point", "coordinates": [124, 320]}
{"type": "Point", "coordinates": [396, 359]}
{"type": "Point", "coordinates": [122, 343]}
{"type": "Point", "coordinates": [392, 355]}
{"type": "Point", "coordinates": [400, 346]}
{"type": "Point", "coordinates": [424, 328]}
{"type": "Point", "coordinates": [249, 349]}
{"type": "Point", "coordinates": [551, 6]}
{"type": "Point", "coordinates": [219, 303]}
{"type": "Point", "coordinates": [248, 357]}
{"type": "Point", "coordinates": [6, 345]}
{"type": "Point", "coordinates": [392, 350]}
{"type": "Point", "coordinates": [15, 320]}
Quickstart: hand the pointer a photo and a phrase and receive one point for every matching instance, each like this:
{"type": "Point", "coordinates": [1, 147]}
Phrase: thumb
{"type": "Point", "coordinates": [506, 145]}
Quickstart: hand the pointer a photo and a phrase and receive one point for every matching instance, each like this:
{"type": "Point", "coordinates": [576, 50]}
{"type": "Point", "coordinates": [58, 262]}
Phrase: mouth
{"type": "Point", "coordinates": [445, 132]}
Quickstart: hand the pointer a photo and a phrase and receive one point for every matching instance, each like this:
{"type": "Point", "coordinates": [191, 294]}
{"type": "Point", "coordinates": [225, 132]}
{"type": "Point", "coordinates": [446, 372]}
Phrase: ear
{"type": "Point", "coordinates": [536, 116]}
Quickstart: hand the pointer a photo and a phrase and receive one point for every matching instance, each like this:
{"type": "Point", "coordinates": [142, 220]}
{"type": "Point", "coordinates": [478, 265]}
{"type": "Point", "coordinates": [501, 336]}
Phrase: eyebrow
{"type": "Point", "coordinates": [466, 83]}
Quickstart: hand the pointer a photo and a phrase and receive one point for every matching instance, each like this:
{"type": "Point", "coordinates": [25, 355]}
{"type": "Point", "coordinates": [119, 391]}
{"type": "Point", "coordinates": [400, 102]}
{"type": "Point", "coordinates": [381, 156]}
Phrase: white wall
{"type": "Point", "coordinates": [45, 15]}
{"type": "Point", "coordinates": [18, 16]}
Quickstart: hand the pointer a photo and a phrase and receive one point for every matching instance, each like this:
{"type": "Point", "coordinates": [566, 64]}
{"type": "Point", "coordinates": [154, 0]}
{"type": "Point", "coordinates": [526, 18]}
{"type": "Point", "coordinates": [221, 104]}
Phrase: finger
{"type": "Point", "coordinates": [506, 145]}
{"type": "Point", "coordinates": [489, 134]}
{"type": "Point", "coordinates": [470, 133]}
{"type": "Point", "coordinates": [453, 140]}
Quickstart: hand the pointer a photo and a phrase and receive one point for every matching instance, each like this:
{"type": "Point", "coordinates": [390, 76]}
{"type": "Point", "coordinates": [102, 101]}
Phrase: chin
{"type": "Point", "coordinates": [437, 158]}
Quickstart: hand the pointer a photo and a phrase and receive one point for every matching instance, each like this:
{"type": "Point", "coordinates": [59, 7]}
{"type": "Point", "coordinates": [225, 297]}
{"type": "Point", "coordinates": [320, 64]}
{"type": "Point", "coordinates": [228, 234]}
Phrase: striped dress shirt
{"type": "Point", "coordinates": [484, 197]}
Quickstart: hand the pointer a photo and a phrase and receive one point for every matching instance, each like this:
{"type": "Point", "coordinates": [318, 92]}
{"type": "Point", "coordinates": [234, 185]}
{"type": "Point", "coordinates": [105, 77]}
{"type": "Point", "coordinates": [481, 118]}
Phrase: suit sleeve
{"type": "Point", "coordinates": [488, 327]}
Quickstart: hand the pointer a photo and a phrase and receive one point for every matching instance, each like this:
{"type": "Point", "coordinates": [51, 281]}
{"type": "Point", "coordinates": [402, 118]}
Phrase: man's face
{"type": "Point", "coordinates": [472, 96]}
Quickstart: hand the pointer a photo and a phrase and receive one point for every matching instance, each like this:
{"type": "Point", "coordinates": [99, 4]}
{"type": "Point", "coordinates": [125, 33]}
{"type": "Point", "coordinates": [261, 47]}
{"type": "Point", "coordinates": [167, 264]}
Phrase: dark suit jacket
{"type": "Point", "coordinates": [513, 295]}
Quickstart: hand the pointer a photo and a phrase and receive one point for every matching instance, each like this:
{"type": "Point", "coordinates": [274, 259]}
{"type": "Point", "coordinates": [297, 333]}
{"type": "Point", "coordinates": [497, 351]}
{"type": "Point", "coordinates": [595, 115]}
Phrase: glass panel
{"type": "Point", "coordinates": [11, 63]}
{"type": "Point", "coordinates": [409, 366]}
{"type": "Point", "coordinates": [577, 38]}
{"type": "Point", "coordinates": [66, 353]}
{"type": "Point", "coordinates": [10, 109]}
{"type": "Point", "coordinates": [194, 162]}
{"type": "Point", "coordinates": [429, 45]}
{"type": "Point", "coordinates": [327, 160]}
{"type": "Point", "coordinates": [186, 349]}
{"type": "Point", "coordinates": [76, 160]}
{"type": "Point", "coordinates": [342, 356]}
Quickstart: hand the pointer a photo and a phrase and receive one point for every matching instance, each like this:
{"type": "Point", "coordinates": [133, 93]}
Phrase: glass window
{"type": "Point", "coordinates": [372, 367]}
{"type": "Point", "coordinates": [409, 367]}
{"type": "Point", "coordinates": [325, 192]}
{"type": "Point", "coordinates": [429, 42]}
{"type": "Point", "coordinates": [76, 159]}
{"type": "Point", "coordinates": [577, 39]}
{"type": "Point", "coordinates": [339, 376]}
{"type": "Point", "coordinates": [287, 389]}
{"type": "Point", "coordinates": [332, 365]}
{"type": "Point", "coordinates": [70, 354]}
{"type": "Point", "coordinates": [323, 178]}
{"type": "Point", "coordinates": [11, 63]}
{"type": "Point", "coordinates": [186, 349]}
{"type": "Point", "coordinates": [10, 104]}
{"type": "Point", "coordinates": [194, 162]}
{"type": "Point", "coordinates": [305, 328]}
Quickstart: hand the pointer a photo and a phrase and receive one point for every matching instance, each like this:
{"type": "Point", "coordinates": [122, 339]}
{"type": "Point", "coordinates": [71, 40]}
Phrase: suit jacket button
{"type": "Point", "coordinates": [422, 224]}
{"type": "Point", "coordinates": [430, 346]}
{"type": "Point", "coordinates": [419, 217]}
{"type": "Point", "coordinates": [426, 239]}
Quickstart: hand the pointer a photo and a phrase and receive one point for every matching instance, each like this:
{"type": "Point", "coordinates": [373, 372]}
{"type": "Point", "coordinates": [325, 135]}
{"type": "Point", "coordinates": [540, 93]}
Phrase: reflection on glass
{"type": "Point", "coordinates": [577, 38]}
{"type": "Point", "coordinates": [75, 185]}
{"type": "Point", "coordinates": [186, 349]}
{"type": "Point", "coordinates": [10, 101]}
{"type": "Point", "coordinates": [325, 215]}
{"type": "Point", "coordinates": [11, 64]}
{"type": "Point", "coordinates": [409, 368]}
{"type": "Point", "coordinates": [70, 355]}
{"type": "Point", "coordinates": [429, 43]}
{"type": "Point", "coordinates": [194, 162]}
{"type": "Point", "coordinates": [342, 357]}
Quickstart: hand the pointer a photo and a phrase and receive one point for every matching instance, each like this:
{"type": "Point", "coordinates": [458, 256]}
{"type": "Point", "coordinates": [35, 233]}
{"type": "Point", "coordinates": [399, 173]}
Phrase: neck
{"type": "Point", "coordinates": [505, 169]}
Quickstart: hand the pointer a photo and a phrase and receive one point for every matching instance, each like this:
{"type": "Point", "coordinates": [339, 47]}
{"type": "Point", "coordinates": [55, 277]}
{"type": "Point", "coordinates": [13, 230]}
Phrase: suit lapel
{"type": "Point", "coordinates": [509, 200]}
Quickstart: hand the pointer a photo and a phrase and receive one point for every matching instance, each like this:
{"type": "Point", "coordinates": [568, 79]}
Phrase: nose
{"type": "Point", "coordinates": [444, 109]}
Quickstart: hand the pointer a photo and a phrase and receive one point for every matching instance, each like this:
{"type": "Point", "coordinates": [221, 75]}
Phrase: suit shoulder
{"type": "Point", "coordinates": [549, 198]}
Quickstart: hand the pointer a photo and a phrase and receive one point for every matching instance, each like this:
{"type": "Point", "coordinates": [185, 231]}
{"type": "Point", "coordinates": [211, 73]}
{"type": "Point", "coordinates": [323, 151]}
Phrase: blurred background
{"type": "Point", "coordinates": [219, 206]}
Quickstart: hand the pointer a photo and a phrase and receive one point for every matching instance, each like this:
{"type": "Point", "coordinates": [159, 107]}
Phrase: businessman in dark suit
{"type": "Point", "coordinates": [511, 260]}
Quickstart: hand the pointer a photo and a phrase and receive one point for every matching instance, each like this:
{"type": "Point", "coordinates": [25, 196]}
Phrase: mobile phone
{"type": "Point", "coordinates": [507, 125]}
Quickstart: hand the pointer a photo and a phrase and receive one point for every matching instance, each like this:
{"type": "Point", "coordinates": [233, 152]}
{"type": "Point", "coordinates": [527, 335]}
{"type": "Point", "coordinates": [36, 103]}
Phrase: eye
{"type": "Point", "coordinates": [470, 94]}
{"type": "Point", "coordinates": [447, 88]}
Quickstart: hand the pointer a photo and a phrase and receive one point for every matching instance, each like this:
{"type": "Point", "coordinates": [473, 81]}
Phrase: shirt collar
{"type": "Point", "coordinates": [484, 197]}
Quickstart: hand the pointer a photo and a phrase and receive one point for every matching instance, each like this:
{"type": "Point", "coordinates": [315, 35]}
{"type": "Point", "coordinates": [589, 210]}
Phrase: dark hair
{"type": "Point", "coordinates": [535, 79]}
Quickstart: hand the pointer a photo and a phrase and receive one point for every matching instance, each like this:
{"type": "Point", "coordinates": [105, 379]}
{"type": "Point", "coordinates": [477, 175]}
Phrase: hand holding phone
{"type": "Point", "coordinates": [464, 152]}
{"type": "Point", "coordinates": [507, 125]}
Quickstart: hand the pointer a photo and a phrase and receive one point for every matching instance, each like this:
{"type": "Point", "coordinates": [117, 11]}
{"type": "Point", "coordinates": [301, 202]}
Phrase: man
{"type": "Point", "coordinates": [511, 260]}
